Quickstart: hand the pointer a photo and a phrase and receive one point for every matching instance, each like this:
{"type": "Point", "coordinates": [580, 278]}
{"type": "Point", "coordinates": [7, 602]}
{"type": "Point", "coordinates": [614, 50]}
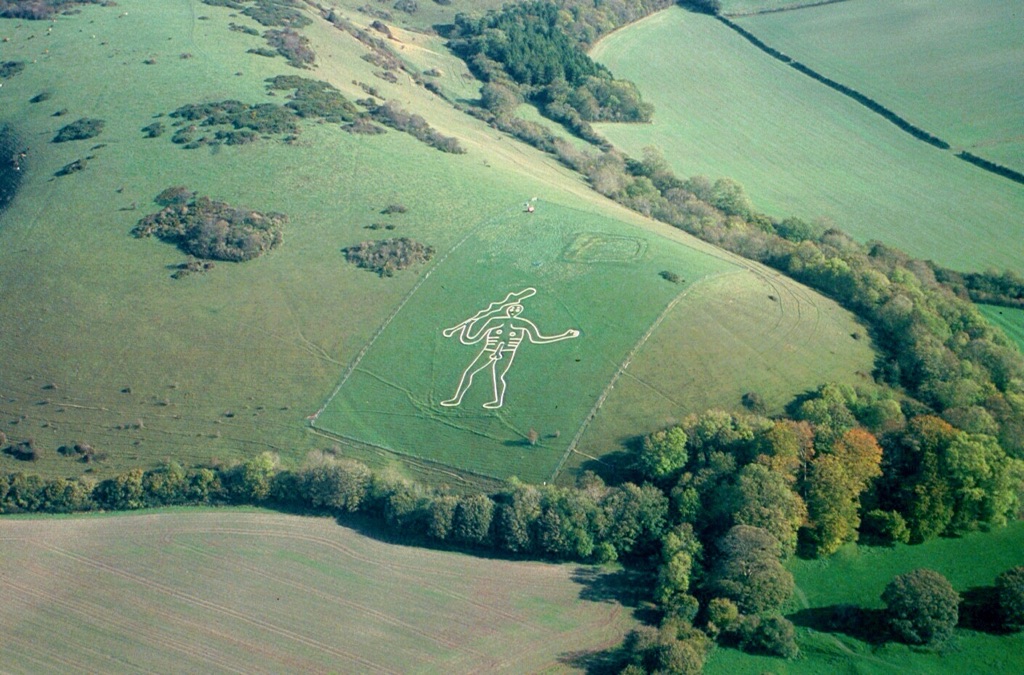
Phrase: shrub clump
{"type": "Point", "coordinates": [387, 256]}
{"type": "Point", "coordinates": [292, 46]}
{"type": "Point", "coordinates": [153, 130]}
{"type": "Point", "coordinates": [37, 10]}
{"type": "Point", "coordinates": [79, 130]}
{"type": "Point", "coordinates": [394, 116]}
{"type": "Point", "coordinates": [314, 99]}
{"type": "Point", "coordinates": [26, 451]}
{"type": "Point", "coordinates": [211, 229]}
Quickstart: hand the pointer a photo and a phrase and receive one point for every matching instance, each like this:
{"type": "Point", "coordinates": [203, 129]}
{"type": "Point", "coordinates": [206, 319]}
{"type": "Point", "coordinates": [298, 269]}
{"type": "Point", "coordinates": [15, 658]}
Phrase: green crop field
{"type": "Point", "coordinates": [725, 108]}
{"type": "Point", "coordinates": [234, 591]}
{"type": "Point", "coordinates": [943, 65]}
{"type": "Point", "coordinates": [857, 575]}
{"type": "Point", "coordinates": [1009, 319]}
{"type": "Point", "coordinates": [233, 361]}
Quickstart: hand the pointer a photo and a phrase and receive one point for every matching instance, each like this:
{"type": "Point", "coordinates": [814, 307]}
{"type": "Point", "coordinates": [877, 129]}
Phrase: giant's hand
{"type": "Point", "coordinates": [571, 333]}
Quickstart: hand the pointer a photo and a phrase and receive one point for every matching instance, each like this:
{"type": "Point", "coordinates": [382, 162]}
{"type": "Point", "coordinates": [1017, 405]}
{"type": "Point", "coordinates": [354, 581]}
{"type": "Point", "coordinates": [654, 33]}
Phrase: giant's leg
{"type": "Point", "coordinates": [500, 368]}
{"type": "Point", "coordinates": [466, 381]}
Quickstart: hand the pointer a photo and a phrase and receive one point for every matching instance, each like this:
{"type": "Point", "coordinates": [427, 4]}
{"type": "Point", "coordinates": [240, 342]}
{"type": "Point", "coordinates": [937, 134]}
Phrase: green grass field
{"type": "Point", "coordinates": [724, 108]}
{"type": "Point", "coordinates": [945, 66]}
{"type": "Point", "coordinates": [1007, 318]}
{"type": "Point", "coordinates": [101, 346]}
{"type": "Point", "coordinates": [586, 271]}
{"type": "Point", "coordinates": [733, 7]}
{"type": "Point", "coordinates": [857, 575]}
{"type": "Point", "coordinates": [234, 591]}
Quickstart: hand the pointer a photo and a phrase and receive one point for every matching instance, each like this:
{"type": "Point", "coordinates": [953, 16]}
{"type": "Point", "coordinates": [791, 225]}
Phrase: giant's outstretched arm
{"type": "Point", "coordinates": [537, 338]}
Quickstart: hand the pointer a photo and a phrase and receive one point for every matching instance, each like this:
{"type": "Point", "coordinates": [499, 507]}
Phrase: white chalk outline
{"type": "Point", "coordinates": [502, 330]}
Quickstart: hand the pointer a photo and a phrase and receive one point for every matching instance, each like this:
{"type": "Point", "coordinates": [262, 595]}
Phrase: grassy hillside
{"type": "Point", "coordinates": [857, 575]}
{"type": "Point", "coordinates": [1009, 319]}
{"type": "Point", "coordinates": [205, 591]}
{"type": "Point", "coordinates": [947, 67]}
{"type": "Point", "coordinates": [724, 108]}
{"type": "Point", "coordinates": [101, 345]}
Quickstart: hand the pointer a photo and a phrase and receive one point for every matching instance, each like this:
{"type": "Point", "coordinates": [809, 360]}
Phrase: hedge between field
{"type": "Point", "coordinates": [868, 102]}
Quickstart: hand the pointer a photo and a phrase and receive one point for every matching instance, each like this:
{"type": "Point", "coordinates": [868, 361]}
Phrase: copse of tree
{"type": "Point", "coordinates": [946, 481]}
{"type": "Point", "coordinates": [530, 49]}
{"type": "Point", "coordinates": [921, 606]}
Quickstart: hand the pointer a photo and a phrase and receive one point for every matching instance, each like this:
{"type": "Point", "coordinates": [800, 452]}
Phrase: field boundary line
{"type": "Point", "coordinates": [387, 322]}
{"type": "Point", "coordinates": [784, 8]}
{"type": "Point", "coordinates": [622, 369]}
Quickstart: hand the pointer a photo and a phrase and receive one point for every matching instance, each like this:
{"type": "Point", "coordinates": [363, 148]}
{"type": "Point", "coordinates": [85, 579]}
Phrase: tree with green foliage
{"type": "Point", "coordinates": [332, 483]}
{"type": "Point", "coordinates": [568, 524]}
{"type": "Point", "coordinates": [635, 519]}
{"type": "Point", "coordinates": [832, 499]}
{"type": "Point", "coordinates": [250, 481]}
{"type": "Point", "coordinates": [748, 572]}
{"type": "Point", "coordinates": [662, 454]}
{"type": "Point", "coordinates": [515, 518]}
{"type": "Point", "coordinates": [1010, 587]}
{"type": "Point", "coordinates": [773, 635]}
{"type": "Point", "coordinates": [762, 498]}
{"type": "Point", "coordinates": [122, 492]}
{"type": "Point", "coordinates": [471, 523]}
{"type": "Point", "coordinates": [440, 516]}
{"type": "Point", "coordinates": [681, 554]}
{"type": "Point", "coordinates": [922, 607]}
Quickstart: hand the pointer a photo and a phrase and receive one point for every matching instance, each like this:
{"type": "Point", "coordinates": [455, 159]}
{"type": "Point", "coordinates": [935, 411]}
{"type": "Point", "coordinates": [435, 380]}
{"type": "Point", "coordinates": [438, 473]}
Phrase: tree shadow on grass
{"type": "Point", "coordinates": [867, 625]}
{"type": "Point", "coordinates": [979, 611]}
{"type": "Point", "coordinates": [627, 587]}
{"type": "Point", "coordinates": [595, 662]}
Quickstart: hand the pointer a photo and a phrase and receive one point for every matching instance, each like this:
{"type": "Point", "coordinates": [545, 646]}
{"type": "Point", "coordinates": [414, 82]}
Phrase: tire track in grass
{"type": "Point", "coordinates": [198, 627]}
{"type": "Point", "coordinates": [95, 614]}
{"type": "Point", "coordinates": [407, 572]}
{"type": "Point", "coordinates": [383, 617]}
{"type": "Point", "coordinates": [218, 608]}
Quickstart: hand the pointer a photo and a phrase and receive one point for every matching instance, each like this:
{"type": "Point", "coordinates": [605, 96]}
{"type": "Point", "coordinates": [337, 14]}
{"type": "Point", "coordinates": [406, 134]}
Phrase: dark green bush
{"type": "Point", "coordinates": [79, 130]}
{"type": "Point", "coordinates": [212, 229]}
{"type": "Point", "coordinates": [388, 256]}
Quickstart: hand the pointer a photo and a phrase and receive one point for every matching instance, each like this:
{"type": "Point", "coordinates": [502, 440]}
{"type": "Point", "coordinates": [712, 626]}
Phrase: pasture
{"type": "Point", "coordinates": [708, 353]}
{"type": "Point", "coordinates": [256, 592]}
{"type": "Point", "coordinates": [857, 575]}
{"type": "Point", "coordinates": [1009, 319]}
{"type": "Point", "coordinates": [583, 271]}
{"type": "Point", "coordinates": [724, 108]}
{"type": "Point", "coordinates": [100, 345]}
{"type": "Point", "coordinates": [945, 66]}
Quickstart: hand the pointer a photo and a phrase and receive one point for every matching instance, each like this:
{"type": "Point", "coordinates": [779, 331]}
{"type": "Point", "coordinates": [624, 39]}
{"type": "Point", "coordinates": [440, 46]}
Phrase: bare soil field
{"type": "Point", "coordinates": [250, 591]}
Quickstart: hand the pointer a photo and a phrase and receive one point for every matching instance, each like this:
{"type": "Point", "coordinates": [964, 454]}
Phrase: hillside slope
{"type": "Point", "coordinates": [101, 345]}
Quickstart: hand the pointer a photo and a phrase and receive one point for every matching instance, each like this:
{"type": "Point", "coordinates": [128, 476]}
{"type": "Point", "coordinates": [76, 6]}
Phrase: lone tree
{"type": "Point", "coordinates": [1010, 585]}
{"type": "Point", "coordinates": [922, 607]}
